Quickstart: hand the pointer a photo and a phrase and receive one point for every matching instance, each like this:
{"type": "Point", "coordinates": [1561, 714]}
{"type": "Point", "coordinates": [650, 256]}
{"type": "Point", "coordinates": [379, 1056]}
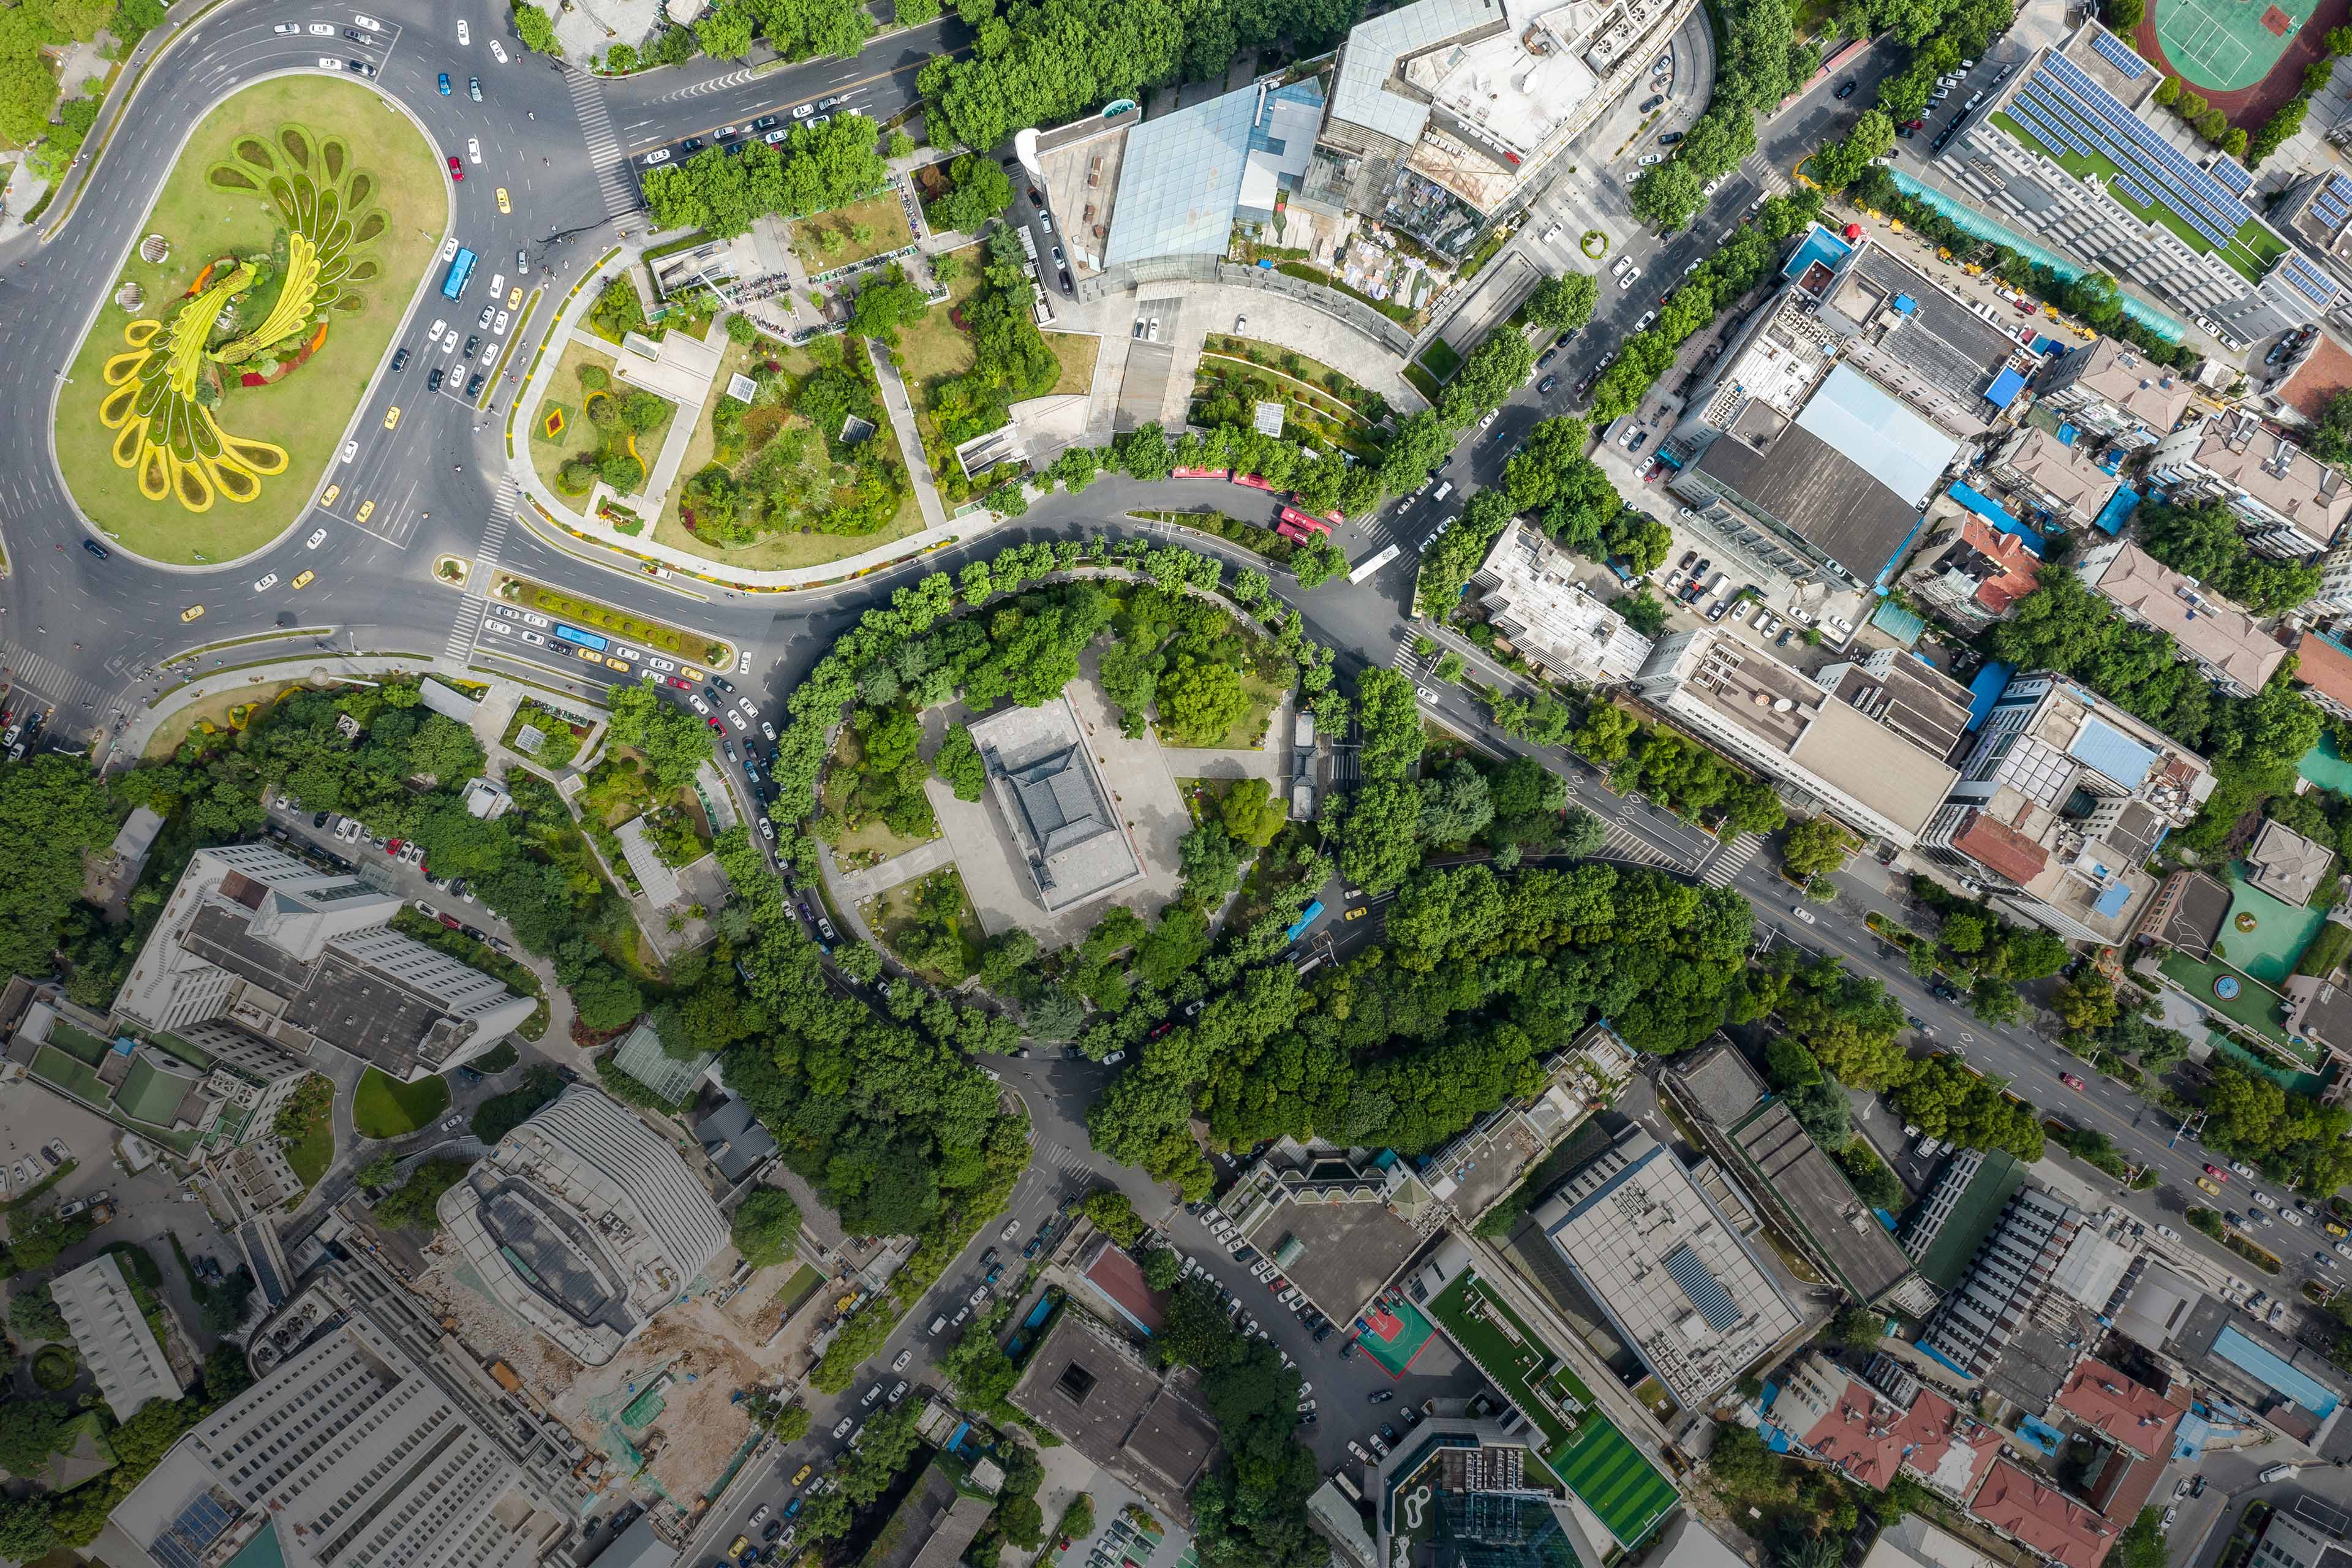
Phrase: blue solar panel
{"type": "Point", "coordinates": [2116, 55]}
{"type": "Point", "coordinates": [2233, 178]}
{"type": "Point", "coordinates": [188, 1537]}
{"type": "Point", "coordinates": [1705, 1291]}
{"type": "Point", "coordinates": [2131, 188]}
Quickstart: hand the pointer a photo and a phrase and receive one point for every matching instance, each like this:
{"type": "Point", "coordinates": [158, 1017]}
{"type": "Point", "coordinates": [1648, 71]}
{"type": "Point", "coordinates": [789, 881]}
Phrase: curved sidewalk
{"type": "Point", "coordinates": [553, 512]}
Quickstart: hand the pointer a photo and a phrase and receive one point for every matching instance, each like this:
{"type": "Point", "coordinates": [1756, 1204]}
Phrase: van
{"type": "Point", "coordinates": [937, 1324]}
{"type": "Point", "coordinates": [2275, 1473]}
{"type": "Point", "coordinates": [1715, 583]}
{"type": "Point", "coordinates": [1971, 103]}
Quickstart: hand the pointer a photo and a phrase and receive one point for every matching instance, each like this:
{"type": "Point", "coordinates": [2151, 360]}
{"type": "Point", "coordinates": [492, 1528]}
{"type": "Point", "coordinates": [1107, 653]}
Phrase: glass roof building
{"type": "Point", "coordinates": [1188, 178]}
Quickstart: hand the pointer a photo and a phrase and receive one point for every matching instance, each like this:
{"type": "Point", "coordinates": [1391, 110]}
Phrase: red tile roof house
{"type": "Point", "coordinates": [1118, 1280]}
{"type": "Point", "coordinates": [2131, 1414]}
{"type": "Point", "coordinates": [1841, 1420]}
{"type": "Point", "coordinates": [2042, 1519]}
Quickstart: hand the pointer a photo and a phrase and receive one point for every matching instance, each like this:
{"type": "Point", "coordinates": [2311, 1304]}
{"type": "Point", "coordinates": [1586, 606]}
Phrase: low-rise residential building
{"type": "Point", "coordinates": [2290, 504]}
{"type": "Point", "coordinates": [304, 959]}
{"type": "Point", "coordinates": [2062, 478]}
{"type": "Point", "coordinates": [2285, 864]}
{"type": "Point", "coordinates": [2060, 805]}
{"type": "Point", "coordinates": [1973, 574]}
{"type": "Point", "coordinates": [1528, 590]}
{"type": "Point", "coordinates": [1150, 1429]}
{"type": "Point", "coordinates": [2223, 641]}
{"type": "Point", "coordinates": [2034, 1293]}
{"type": "Point", "coordinates": [2323, 669]}
{"type": "Point", "coordinates": [1828, 1414]}
{"type": "Point", "coordinates": [2110, 390]}
{"type": "Point", "coordinates": [2044, 1519]}
{"type": "Point", "coordinates": [117, 1342]}
{"type": "Point", "coordinates": [1870, 760]}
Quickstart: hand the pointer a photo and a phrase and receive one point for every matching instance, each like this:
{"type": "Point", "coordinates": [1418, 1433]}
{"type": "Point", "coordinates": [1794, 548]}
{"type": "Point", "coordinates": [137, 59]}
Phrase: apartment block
{"type": "Point", "coordinates": [2324, 670]}
{"type": "Point", "coordinates": [2060, 805]}
{"type": "Point", "coordinates": [252, 938]}
{"type": "Point", "coordinates": [2173, 220]}
{"type": "Point", "coordinates": [2223, 641]}
{"type": "Point", "coordinates": [115, 1339]}
{"type": "Point", "coordinates": [1527, 589]}
{"type": "Point", "coordinates": [1972, 573]}
{"type": "Point", "coordinates": [2291, 505]}
{"type": "Point", "coordinates": [1868, 744]}
{"type": "Point", "coordinates": [2061, 477]}
{"type": "Point", "coordinates": [2032, 1300]}
{"type": "Point", "coordinates": [2107, 389]}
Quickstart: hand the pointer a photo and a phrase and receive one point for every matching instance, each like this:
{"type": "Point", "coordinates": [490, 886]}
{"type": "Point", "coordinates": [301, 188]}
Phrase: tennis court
{"type": "Point", "coordinates": [2222, 46]}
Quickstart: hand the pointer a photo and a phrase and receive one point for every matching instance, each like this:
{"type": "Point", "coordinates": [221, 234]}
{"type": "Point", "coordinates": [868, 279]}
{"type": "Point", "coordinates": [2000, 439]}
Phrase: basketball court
{"type": "Point", "coordinates": [1393, 1334]}
{"type": "Point", "coordinates": [2226, 45]}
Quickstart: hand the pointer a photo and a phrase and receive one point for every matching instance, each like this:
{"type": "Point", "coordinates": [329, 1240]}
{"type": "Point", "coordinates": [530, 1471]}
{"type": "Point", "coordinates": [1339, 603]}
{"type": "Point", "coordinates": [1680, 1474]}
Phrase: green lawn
{"type": "Point", "coordinates": [2255, 250]}
{"type": "Point", "coordinates": [312, 1149]}
{"type": "Point", "coordinates": [306, 412]}
{"type": "Point", "coordinates": [83, 1046]}
{"type": "Point", "coordinates": [384, 1107]}
{"type": "Point", "coordinates": [884, 218]}
{"type": "Point", "coordinates": [578, 435]}
{"type": "Point", "coordinates": [1440, 359]}
{"type": "Point", "coordinates": [692, 647]}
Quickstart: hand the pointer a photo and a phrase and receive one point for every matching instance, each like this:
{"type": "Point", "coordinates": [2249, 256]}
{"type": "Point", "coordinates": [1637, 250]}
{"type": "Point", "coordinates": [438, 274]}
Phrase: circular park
{"type": "Point", "coordinates": [223, 364]}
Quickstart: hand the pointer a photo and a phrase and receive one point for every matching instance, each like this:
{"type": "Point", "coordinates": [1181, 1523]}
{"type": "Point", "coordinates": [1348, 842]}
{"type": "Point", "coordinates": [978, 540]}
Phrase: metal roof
{"type": "Point", "coordinates": [1878, 435]}
{"type": "Point", "coordinates": [1370, 55]}
{"type": "Point", "coordinates": [2117, 755]}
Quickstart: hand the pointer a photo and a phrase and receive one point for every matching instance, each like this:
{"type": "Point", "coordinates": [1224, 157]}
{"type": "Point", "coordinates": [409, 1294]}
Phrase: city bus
{"type": "Point", "coordinates": [1373, 564]}
{"type": "Point", "coordinates": [1300, 520]}
{"type": "Point", "coordinates": [589, 641]}
{"type": "Point", "coordinates": [461, 272]}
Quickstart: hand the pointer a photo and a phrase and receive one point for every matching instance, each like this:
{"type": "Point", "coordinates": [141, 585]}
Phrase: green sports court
{"type": "Point", "coordinates": [2223, 46]}
{"type": "Point", "coordinates": [1610, 1477]}
{"type": "Point", "coordinates": [1393, 1334]}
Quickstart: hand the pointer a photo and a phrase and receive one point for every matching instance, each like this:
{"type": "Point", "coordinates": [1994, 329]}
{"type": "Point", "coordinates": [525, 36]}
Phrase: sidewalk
{"type": "Point", "coordinates": [939, 529]}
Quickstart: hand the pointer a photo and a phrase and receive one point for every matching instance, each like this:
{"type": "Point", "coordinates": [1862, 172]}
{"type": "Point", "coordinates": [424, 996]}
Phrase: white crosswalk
{"type": "Point", "coordinates": [1622, 844]}
{"type": "Point", "coordinates": [51, 682]}
{"type": "Point", "coordinates": [1405, 659]}
{"type": "Point", "coordinates": [1730, 860]}
{"type": "Point", "coordinates": [486, 565]}
{"type": "Point", "coordinates": [604, 145]}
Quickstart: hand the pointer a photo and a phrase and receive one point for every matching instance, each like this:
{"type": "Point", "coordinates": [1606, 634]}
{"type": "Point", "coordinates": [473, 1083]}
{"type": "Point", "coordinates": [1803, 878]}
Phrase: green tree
{"type": "Point", "coordinates": [1564, 302]}
{"type": "Point", "coordinates": [535, 28]}
{"type": "Point", "coordinates": [1113, 1214]}
{"type": "Point", "coordinates": [958, 764]}
{"type": "Point", "coordinates": [604, 999]}
{"type": "Point", "coordinates": [1253, 814]}
{"type": "Point", "coordinates": [725, 31]}
{"type": "Point", "coordinates": [1815, 848]}
{"type": "Point", "coordinates": [32, 1314]}
{"type": "Point", "coordinates": [1160, 1270]}
{"type": "Point", "coordinates": [1667, 194]}
{"type": "Point", "coordinates": [979, 191]}
{"type": "Point", "coordinates": [766, 1227]}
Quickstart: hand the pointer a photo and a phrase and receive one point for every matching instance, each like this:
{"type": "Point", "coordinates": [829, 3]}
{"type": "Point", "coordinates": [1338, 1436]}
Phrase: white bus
{"type": "Point", "coordinates": [1373, 565]}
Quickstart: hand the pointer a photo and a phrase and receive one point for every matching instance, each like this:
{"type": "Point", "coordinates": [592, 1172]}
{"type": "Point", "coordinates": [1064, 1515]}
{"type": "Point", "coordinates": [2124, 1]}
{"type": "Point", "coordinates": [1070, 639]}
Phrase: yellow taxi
{"type": "Point", "coordinates": [2208, 1187]}
{"type": "Point", "coordinates": [691, 673]}
{"type": "Point", "coordinates": [504, 205]}
{"type": "Point", "coordinates": [329, 498]}
{"type": "Point", "coordinates": [802, 1474]}
{"type": "Point", "coordinates": [302, 581]}
{"type": "Point", "coordinates": [1358, 912]}
{"type": "Point", "coordinates": [514, 297]}
{"type": "Point", "coordinates": [392, 418]}
{"type": "Point", "coordinates": [367, 510]}
{"type": "Point", "coordinates": [742, 1543]}
{"type": "Point", "coordinates": [591, 656]}
{"type": "Point", "coordinates": [2335, 1229]}
{"type": "Point", "coordinates": [620, 664]}
{"type": "Point", "coordinates": [191, 611]}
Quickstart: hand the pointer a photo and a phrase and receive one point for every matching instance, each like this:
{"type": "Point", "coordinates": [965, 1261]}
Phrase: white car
{"type": "Point", "coordinates": [498, 284]}
{"type": "Point", "coordinates": [1804, 914]}
{"type": "Point", "coordinates": [439, 327]}
{"type": "Point", "coordinates": [622, 650]}
{"type": "Point", "coordinates": [266, 584]}
{"type": "Point", "coordinates": [745, 704]}
{"type": "Point", "coordinates": [743, 664]}
{"type": "Point", "coordinates": [699, 705]}
{"type": "Point", "coordinates": [498, 51]}
{"type": "Point", "coordinates": [473, 149]}
{"type": "Point", "coordinates": [2264, 1199]}
{"type": "Point", "coordinates": [1632, 276]}
{"type": "Point", "coordinates": [666, 666]}
{"type": "Point", "coordinates": [498, 327]}
{"type": "Point", "coordinates": [737, 719]}
{"type": "Point", "coordinates": [897, 1391]}
{"type": "Point", "coordinates": [327, 63]}
{"type": "Point", "coordinates": [767, 730]}
{"type": "Point", "coordinates": [322, 29]}
{"type": "Point", "coordinates": [804, 111]}
{"type": "Point", "coordinates": [316, 539]}
{"type": "Point", "coordinates": [287, 28]}
{"type": "Point", "coordinates": [535, 639]}
{"type": "Point", "coordinates": [1489, 418]}
{"type": "Point", "coordinates": [500, 627]}
{"type": "Point", "coordinates": [351, 450]}
{"type": "Point", "coordinates": [1011, 1228]}
{"type": "Point", "coordinates": [872, 1394]}
{"type": "Point", "coordinates": [842, 1427]}
{"type": "Point", "coordinates": [370, 23]}
{"type": "Point", "coordinates": [903, 1358]}
{"type": "Point", "coordinates": [759, 1514]}
{"type": "Point", "coordinates": [536, 619]}
{"type": "Point", "coordinates": [658, 156]}
{"type": "Point", "coordinates": [464, 35]}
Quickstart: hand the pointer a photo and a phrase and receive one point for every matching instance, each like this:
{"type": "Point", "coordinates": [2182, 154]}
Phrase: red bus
{"type": "Point", "coordinates": [1251, 480]}
{"type": "Point", "coordinates": [1292, 531]}
{"type": "Point", "coordinates": [1300, 520]}
{"type": "Point", "coordinates": [1196, 473]}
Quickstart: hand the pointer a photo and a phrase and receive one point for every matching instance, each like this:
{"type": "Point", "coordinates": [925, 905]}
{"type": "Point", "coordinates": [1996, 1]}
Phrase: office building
{"type": "Point", "coordinates": [1338, 1225]}
{"type": "Point", "coordinates": [1678, 1285]}
{"type": "Point", "coordinates": [2177, 225]}
{"type": "Point", "coordinates": [2225, 643]}
{"type": "Point", "coordinates": [346, 1454]}
{"type": "Point", "coordinates": [2291, 505]}
{"type": "Point", "coordinates": [1943, 357]}
{"type": "Point", "coordinates": [1460, 1492]}
{"type": "Point", "coordinates": [1445, 115]}
{"type": "Point", "coordinates": [116, 1342]}
{"type": "Point", "coordinates": [1868, 758]}
{"type": "Point", "coordinates": [1972, 573]}
{"type": "Point", "coordinates": [304, 959]}
{"type": "Point", "coordinates": [1150, 1429]}
{"type": "Point", "coordinates": [2060, 803]}
{"type": "Point", "coordinates": [1528, 590]}
{"type": "Point", "coordinates": [583, 1224]}
{"type": "Point", "coordinates": [2107, 390]}
{"type": "Point", "coordinates": [2294, 1539]}
{"type": "Point", "coordinates": [2061, 477]}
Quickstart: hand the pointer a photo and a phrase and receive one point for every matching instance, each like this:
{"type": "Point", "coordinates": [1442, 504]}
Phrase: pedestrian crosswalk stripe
{"type": "Point", "coordinates": [1731, 859]}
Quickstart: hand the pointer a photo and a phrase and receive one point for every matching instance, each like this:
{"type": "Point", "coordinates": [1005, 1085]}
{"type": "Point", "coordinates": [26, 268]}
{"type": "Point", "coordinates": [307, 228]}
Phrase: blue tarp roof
{"type": "Point", "coordinates": [2004, 389]}
{"type": "Point", "coordinates": [2041, 1435]}
{"type": "Point", "coordinates": [1947, 1360]}
{"type": "Point", "coordinates": [2258, 1361]}
{"type": "Point", "coordinates": [1991, 512]}
{"type": "Point", "coordinates": [2118, 508]}
{"type": "Point", "coordinates": [2112, 901]}
{"type": "Point", "coordinates": [1985, 689]}
{"type": "Point", "coordinates": [2065, 435]}
{"type": "Point", "coordinates": [2190, 1437]}
{"type": "Point", "coordinates": [2113, 753]}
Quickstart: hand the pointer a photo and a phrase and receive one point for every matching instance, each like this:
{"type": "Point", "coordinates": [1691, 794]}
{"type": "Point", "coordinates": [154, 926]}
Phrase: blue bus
{"type": "Point", "coordinates": [1308, 917]}
{"type": "Point", "coordinates": [573, 634]}
{"type": "Point", "coordinates": [461, 272]}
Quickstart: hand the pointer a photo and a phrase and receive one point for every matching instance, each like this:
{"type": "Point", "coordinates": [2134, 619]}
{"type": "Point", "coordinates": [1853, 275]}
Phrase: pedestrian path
{"type": "Point", "coordinates": [614, 181]}
{"type": "Point", "coordinates": [44, 679]}
{"type": "Point", "coordinates": [494, 537]}
{"type": "Point", "coordinates": [1727, 862]}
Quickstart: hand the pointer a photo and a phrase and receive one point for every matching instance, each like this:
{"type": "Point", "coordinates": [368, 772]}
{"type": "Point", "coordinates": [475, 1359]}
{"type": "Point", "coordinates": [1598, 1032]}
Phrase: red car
{"type": "Point", "coordinates": [451, 922]}
{"type": "Point", "coordinates": [392, 846]}
{"type": "Point", "coordinates": [2071, 1082]}
{"type": "Point", "coordinates": [2218, 1173]}
{"type": "Point", "coordinates": [2024, 306]}
{"type": "Point", "coordinates": [680, 682]}
{"type": "Point", "coordinates": [456, 170]}
{"type": "Point", "coordinates": [1915, 125]}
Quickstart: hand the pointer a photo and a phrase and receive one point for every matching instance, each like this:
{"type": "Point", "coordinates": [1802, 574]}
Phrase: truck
{"type": "Point", "coordinates": [1307, 918]}
{"type": "Point", "coordinates": [2275, 1473]}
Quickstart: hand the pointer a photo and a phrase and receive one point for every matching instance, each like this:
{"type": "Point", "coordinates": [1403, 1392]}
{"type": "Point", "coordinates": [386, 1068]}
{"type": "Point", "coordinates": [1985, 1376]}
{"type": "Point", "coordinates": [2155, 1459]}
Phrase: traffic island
{"type": "Point", "coordinates": [593, 622]}
{"type": "Point", "coordinates": [451, 571]}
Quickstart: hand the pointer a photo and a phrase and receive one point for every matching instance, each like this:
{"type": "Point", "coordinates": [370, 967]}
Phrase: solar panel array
{"type": "Point", "coordinates": [1705, 1292]}
{"type": "Point", "coordinates": [188, 1537]}
{"type": "Point", "coordinates": [2234, 179]}
{"type": "Point", "coordinates": [2308, 281]}
{"type": "Point", "coordinates": [2116, 55]}
{"type": "Point", "coordinates": [2067, 100]}
{"type": "Point", "coordinates": [2131, 188]}
{"type": "Point", "coordinates": [2332, 204]}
